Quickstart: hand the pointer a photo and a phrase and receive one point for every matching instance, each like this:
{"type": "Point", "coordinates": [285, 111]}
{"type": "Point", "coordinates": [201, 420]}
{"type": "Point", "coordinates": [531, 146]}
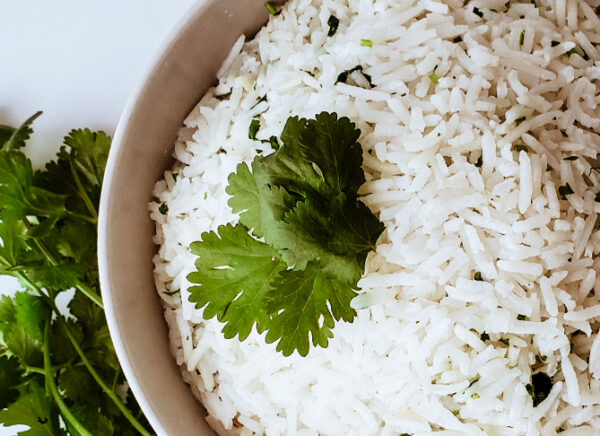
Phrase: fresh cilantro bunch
{"type": "Point", "coordinates": [302, 202]}
{"type": "Point", "coordinates": [58, 374]}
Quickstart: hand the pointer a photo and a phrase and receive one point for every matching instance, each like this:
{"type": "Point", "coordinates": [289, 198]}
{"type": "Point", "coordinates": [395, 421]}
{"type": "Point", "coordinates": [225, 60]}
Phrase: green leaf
{"type": "Point", "coordinates": [20, 135]}
{"type": "Point", "coordinates": [7, 311]}
{"type": "Point", "coordinates": [77, 241]}
{"type": "Point", "coordinates": [22, 345]}
{"type": "Point", "coordinates": [60, 346]}
{"type": "Point", "coordinates": [31, 313]}
{"type": "Point", "coordinates": [18, 195]}
{"type": "Point", "coordinates": [299, 302]}
{"type": "Point", "coordinates": [332, 145]}
{"type": "Point", "coordinates": [5, 133]}
{"type": "Point", "coordinates": [79, 386]}
{"type": "Point", "coordinates": [96, 421]}
{"type": "Point", "coordinates": [31, 409]}
{"type": "Point", "coordinates": [12, 232]}
{"type": "Point", "coordinates": [89, 151]}
{"type": "Point", "coordinates": [302, 200]}
{"type": "Point", "coordinates": [260, 204]}
{"type": "Point", "coordinates": [96, 342]}
{"type": "Point", "coordinates": [10, 378]}
{"type": "Point", "coordinates": [234, 274]}
{"type": "Point", "coordinates": [60, 277]}
{"type": "Point", "coordinates": [339, 234]}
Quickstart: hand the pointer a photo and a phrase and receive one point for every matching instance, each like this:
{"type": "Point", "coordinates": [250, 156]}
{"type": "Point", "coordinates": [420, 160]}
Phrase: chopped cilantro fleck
{"type": "Point", "coordinates": [522, 37]}
{"type": "Point", "coordinates": [477, 276]}
{"type": "Point", "coordinates": [505, 341]}
{"type": "Point", "coordinates": [507, 6]}
{"type": "Point", "coordinates": [434, 77]}
{"type": "Point", "coordinates": [455, 412]}
{"type": "Point", "coordinates": [539, 388]}
{"type": "Point", "coordinates": [521, 317]}
{"type": "Point", "coordinates": [272, 9]}
{"type": "Point", "coordinates": [253, 128]}
{"type": "Point", "coordinates": [163, 208]}
{"type": "Point", "coordinates": [519, 120]}
{"type": "Point", "coordinates": [571, 158]}
{"type": "Point", "coordinates": [475, 395]}
{"type": "Point", "coordinates": [333, 22]}
{"type": "Point", "coordinates": [366, 43]}
{"type": "Point", "coordinates": [543, 357]}
{"type": "Point", "coordinates": [565, 190]}
{"type": "Point", "coordinates": [484, 337]}
{"type": "Point", "coordinates": [519, 147]}
{"type": "Point", "coordinates": [343, 76]}
{"type": "Point", "coordinates": [572, 52]}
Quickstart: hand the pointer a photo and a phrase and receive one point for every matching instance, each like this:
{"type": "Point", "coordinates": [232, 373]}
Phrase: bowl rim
{"type": "Point", "coordinates": [142, 84]}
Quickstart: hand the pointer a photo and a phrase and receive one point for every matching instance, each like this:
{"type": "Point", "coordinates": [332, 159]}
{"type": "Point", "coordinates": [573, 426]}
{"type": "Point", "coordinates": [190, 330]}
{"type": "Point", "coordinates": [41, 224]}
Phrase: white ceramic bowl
{"type": "Point", "coordinates": [182, 72]}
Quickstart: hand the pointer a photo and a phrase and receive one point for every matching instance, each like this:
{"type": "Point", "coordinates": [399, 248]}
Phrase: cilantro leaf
{"type": "Point", "coordinates": [339, 233]}
{"type": "Point", "coordinates": [19, 136]}
{"type": "Point", "coordinates": [95, 337]}
{"type": "Point", "coordinates": [302, 200]}
{"type": "Point", "coordinates": [5, 133]}
{"type": "Point", "coordinates": [300, 304]}
{"type": "Point", "coordinates": [31, 313]}
{"type": "Point", "coordinates": [261, 205]}
{"type": "Point", "coordinates": [48, 241]}
{"type": "Point", "coordinates": [22, 345]}
{"type": "Point", "coordinates": [97, 422]}
{"type": "Point", "coordinates": [12, 233]}
{"type": "Point", "coordinates": [89, 151]}
{"type": "Point", "coordinates": [57, 277]}
{"type": "Point", "coordinates": [31, 409]}
{"type": "Point", "coordinates": [78, 385]}
{"type": "Point", "coordinates": [245, 198]}
{"type": "Point", "coordinates": [234, 273]}
{"type": "Point", "coordinates": [332, 145]}
{"type": "Point", "coordinates": [10, 375]}
{"type": "Point", "coordinates": [17, 193]}
{"type": "Point", "coordinates": [7, 312]}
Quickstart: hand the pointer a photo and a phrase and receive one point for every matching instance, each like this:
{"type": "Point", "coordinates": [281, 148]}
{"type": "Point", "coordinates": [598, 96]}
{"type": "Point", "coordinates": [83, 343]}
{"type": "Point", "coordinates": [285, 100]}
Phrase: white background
{"type": "Point", "coordinates": [78, 61]}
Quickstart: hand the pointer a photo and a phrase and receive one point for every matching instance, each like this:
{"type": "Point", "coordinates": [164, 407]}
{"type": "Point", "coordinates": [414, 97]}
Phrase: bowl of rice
{"type": "Point", "coordinates": [478, 131]}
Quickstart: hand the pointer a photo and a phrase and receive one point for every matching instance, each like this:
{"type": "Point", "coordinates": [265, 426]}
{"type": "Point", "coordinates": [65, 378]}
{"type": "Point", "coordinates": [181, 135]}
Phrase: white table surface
{"type": "Point", "coordinates": [78, 61]}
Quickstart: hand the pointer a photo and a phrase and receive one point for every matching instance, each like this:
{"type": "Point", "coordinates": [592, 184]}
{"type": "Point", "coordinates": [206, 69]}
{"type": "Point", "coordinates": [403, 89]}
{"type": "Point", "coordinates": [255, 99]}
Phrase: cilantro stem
{"type": "Point", "coordinates": [83, 217]}
{"type": "Point", "coordinates": [111, 394]}
{"type": "Point", "coordinates": [116, 379]}
{"type": "Point", "coordinates": [50, 383]}
{"type": "Point", "coordinates": [86, 200]}
{"type": "Point", "coordinates": [89, 292]}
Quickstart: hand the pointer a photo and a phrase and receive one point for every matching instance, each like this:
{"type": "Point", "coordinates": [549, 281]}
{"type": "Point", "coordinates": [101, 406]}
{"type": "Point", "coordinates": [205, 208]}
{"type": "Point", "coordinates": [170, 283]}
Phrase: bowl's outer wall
{"type": "Point", "coordinates": [141, 151]}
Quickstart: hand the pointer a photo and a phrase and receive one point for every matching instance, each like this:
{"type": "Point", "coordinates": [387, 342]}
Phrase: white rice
{"type": "Point", "coordinates": [413, 360]}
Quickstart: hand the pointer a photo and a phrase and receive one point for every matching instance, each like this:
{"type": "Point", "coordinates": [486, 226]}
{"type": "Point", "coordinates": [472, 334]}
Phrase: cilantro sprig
{"type": "Point", "coordinates": [291, 265]}
{"type": "Point", "coordinates": [54, 369]}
